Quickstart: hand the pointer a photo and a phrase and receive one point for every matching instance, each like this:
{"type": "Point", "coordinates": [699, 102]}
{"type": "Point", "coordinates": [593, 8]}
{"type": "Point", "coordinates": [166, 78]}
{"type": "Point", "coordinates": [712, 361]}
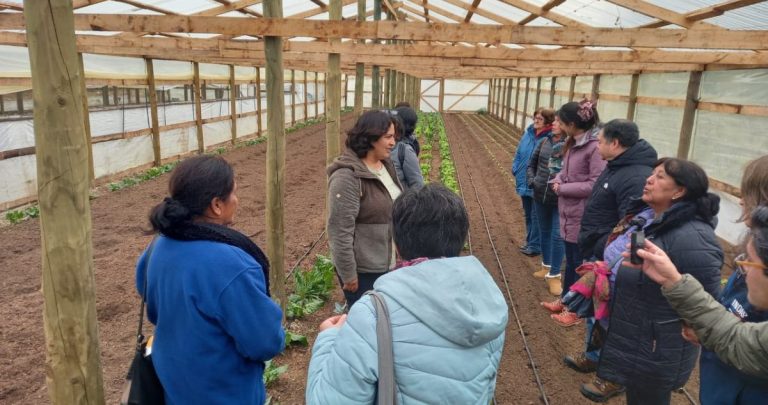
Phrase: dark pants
{"type": "Point", "coordinates": [573, 260]}
{"type": "Point", "coordinates": [364, 283]}
{"type": "Point", "coordinates": [532, 235]}
{"type": "Point", "coordinates": [644, 396]}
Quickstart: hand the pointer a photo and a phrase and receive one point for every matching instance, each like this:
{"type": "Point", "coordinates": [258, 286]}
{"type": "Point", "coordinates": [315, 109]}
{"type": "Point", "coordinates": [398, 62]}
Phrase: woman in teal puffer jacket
{"type": "Point", "coordinates": [447, 314]}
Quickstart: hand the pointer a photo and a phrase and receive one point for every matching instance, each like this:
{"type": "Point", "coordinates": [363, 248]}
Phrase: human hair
{"type": "Point", "coordinates": [408, 117]}
{"type": "Point", "coordinates": [547, 113]}
{"type": "Point", "coordinates": [754, 185]}
{"type": "Point", "coordinates": [583, 115]}
{"type": "Point", "coordinates": [194, 183]}
{"type": "Point", "coordinates": [759, 232]}
{"type": "Point", "coordinates": [403, 104]}
{"type": "Point", "coordinates": [429, 221]}
{"type": "Point", "coordinates": [367, 130]}
{"type": "Point", "coordinates": [625, 131]}
{"type": "Point", "coordinates": [691, 176]}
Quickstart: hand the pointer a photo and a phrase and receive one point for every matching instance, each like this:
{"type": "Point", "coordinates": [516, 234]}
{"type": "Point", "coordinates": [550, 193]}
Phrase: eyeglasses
{"type": "Point", "coordinates": [744, 266]}
{"type": "Point", "coordinates": [538, 118]}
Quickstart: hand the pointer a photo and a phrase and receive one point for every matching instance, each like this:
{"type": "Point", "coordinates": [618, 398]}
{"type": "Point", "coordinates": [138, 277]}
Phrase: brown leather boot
{"type": "Point", "coordinates": [554, 285]}
{"type": "Point", "coordinates": [601, 390]}
{"type": "Point", "coordinates": [580, 363]}
{"type": "Point", "coordinates": [543, 271]}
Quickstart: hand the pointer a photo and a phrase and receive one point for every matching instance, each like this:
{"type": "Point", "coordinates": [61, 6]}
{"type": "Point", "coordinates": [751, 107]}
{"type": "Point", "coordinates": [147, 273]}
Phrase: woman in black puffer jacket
{"type": "Point", "coordinates": [644, 348]}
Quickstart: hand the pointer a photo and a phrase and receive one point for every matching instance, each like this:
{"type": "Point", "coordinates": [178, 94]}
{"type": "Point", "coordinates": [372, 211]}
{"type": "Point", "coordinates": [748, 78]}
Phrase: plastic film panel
{"type": "Point", "coordinates": [615, 84]}
{"type": "Point", "coordinates": [120, 155]}
{"type": "Point", "coordinates": [609, 110]}
{"type": "Point", "coordinates": [747, 87]}
{"type": "Point", "coordinates": [660, 126]}
{"type": "Point", "coordinates": [663, 85]}
{"type": "Point", "coordinates": [23, 181]}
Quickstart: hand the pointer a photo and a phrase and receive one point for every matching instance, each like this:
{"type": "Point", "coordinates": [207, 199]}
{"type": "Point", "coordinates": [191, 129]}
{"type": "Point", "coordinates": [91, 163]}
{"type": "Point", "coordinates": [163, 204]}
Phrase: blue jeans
{"type": "Point", "coordinates": [573, 260]}
{"type": "Point", "coordinates": [552, 247]}
{"type": "Point", "coordinates": [532, 236]}
{"type": "Point", "coordinates": [594, 355]}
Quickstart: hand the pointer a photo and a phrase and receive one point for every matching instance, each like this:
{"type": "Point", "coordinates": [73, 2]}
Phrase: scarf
{"type": "Point", "coordinates": [190, 231]}
{"type": "Point", "coordinates": [595, 284]}
{"type": "Point", "coordinates": [408, 263]}
{"type": "Point", "coordinates": [543, 130]}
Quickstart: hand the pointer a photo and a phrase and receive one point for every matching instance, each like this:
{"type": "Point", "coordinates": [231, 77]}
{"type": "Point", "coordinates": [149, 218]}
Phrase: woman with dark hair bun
{"type": "Point", "coordinates": [362, 183]}
{"type": "Point", "coordinates": [206, 288]}
{"type": "Point", "coordinates": [644, 347]}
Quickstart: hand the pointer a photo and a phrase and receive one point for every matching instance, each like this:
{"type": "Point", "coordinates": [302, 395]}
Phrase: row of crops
{"type": "Point", "coordinates": [429, 128]}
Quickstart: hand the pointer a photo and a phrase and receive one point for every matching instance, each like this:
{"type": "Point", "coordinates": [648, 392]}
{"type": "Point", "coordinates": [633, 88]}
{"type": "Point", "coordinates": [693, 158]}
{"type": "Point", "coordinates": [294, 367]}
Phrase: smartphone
{"type": "Point", "coordinates": [637, 241]}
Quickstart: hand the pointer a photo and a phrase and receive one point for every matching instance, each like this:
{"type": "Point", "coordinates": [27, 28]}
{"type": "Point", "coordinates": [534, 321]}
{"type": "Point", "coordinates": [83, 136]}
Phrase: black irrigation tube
{"type": "Point", "coordinates": [295, 266]}
{"type": "Point", "coordinates": [506, 284]}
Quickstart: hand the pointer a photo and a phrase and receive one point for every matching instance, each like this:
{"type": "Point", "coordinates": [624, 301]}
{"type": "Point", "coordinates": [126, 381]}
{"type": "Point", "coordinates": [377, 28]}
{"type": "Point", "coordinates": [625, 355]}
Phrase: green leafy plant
{"type": "Point", "coordinates": [14, 216]}
{"type": "Point", "coordinates": [273, 372]}
{"type": "Point", "coordinates": [311, 288]}
{"type": "Point", "coordinates": [17, 216]}
{"type": "Point", "coordinates": [149, 174]}
{"type": "Point", "coordinates": [295, 339]}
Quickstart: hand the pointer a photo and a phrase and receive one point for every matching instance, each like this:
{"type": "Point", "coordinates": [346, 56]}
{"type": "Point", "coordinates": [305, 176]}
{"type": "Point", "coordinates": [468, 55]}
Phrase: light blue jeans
{"type": "Point", "coordinates": [552, 245]}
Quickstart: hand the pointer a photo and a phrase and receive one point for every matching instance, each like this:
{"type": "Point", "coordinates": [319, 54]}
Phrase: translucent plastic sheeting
{"type": "Point", "coordinates": [217, 132]}
{"type": "Point", "coordinates": [583, 84]}
{"type": "Point", "coordinates": [747, 87]}
{"type": "Point", "coordinates": [663, 85]}
{"type": "Point", "coordinates": [615, 84]}
{"type": "Point", "coordinates": [178, 141]}
{"type": "Point", "coordinates": [120, 155]}
{"type": "Point", "coordinates": [456, 89]}
{"type": "Point", "coordinates": [14, 62]}
{"type": "Point", "coordinates": [609, 110]}
{"type": "Point", "coordinates": [16, 134]}
{"type": "Point", "coordinates": [173, 70]}
{"type": "Point", "coordinates": [728, 226]}
{"type": "Point", "coordinates": [660, 126]}
{"type": "Point", "coordinates": [113, 67]}
{"type": "Point", "coordinates": [722, 145]}
{"type": "Point", "coordinates": [19, 179]}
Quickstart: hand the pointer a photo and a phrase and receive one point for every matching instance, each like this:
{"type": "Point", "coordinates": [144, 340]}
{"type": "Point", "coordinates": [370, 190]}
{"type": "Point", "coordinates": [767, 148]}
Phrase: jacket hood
{"type": "Point", "coordinates": [349, 160]}
{"type": "Point", "coordinates": [455, 297]}
{"type": "Point", "coordinates": [641, 153]}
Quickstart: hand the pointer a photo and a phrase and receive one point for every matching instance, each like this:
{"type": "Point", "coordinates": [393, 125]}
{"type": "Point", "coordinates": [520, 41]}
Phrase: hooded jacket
{"type": "Point", "coordinates": [644, 347]}
{"type": "Point", "coordinates": [582, 165]}
{"type": "Point", "coordinates": [528, 143]}
{"type": "Point", "coordinates": [614, 193]}
{"type": "Point", "coordinates": [406, 164]}
{"type": "Point", "coordinates": [359, 217]}
{"type": "Point", "coordinates": [448, 319]}
{"type": "Point", "coordinates": [540, 171]}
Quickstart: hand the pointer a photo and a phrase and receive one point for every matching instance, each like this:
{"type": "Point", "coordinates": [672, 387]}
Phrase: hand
{"type": "Point", "coordinates": [350, 286]}
{"type": "Point", "coordinates": [656, 265]}
{"type": "Point", "coordinates": [336, 321]}
{"type": "Point", "coordinates": [556, 188]}
{"type": "Point", "coordinates": [689, 335]}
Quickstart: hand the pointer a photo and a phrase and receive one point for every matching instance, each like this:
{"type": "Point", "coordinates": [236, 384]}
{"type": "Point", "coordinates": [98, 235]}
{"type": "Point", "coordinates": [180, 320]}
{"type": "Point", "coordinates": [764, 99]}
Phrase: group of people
{"type": "Point", "coordinates": [585, 187]}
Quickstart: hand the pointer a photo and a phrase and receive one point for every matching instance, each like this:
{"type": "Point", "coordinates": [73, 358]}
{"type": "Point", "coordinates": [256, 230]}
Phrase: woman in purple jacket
{"type": "Point", "coordinates": [582, 165]}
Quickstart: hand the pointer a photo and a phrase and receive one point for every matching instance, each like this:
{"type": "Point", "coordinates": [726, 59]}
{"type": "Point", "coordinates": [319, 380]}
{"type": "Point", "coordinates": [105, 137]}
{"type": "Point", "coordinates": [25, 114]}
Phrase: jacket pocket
{"type": "Point", "coordinates": [372, 248]}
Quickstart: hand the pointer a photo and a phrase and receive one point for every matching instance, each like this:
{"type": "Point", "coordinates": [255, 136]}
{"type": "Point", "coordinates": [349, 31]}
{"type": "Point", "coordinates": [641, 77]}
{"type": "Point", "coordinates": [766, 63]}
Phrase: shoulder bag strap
{"type": "Point", "coordinates": [139, 333]}
{"type": "Point", "coordinates": [387, 392]}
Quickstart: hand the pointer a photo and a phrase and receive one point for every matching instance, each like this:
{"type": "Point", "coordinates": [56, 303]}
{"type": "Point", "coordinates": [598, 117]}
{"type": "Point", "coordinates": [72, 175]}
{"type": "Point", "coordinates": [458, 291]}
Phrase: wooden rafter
{"type": "Point", "coordinates": [443, 12]}
{"type": "Point", "coordinates": [708, 12]}
{"type": "Point", "coordinates": [426, 10]}
{"type": "Point", "coordinates": [147, 7]}
{"type": "Point", "coordinates": [239, 10]}
{"type": "Point", "coordinates": [471, 10]}
{"type": "Point", "coordinates": [543, 12]}
{"type": "Point", "coordinates": [663, 14]}
{"type": "Point", "coordinates": [319, 10]}
{"type": "Point", "coordinates": [544, 9]}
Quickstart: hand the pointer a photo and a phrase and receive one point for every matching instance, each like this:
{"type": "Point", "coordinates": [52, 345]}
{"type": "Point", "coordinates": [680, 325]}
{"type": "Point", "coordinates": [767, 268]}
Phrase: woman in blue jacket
{"type": "Point", "coordinates": [207, 292]}
{"type": "Point", "coordinates": [447, 315]}
{"type": "Point", "coordinates": [532, 137]}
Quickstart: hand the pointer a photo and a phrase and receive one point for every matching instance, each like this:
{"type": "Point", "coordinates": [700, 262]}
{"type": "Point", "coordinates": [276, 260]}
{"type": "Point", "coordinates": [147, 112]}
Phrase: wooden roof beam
{"type": "Point", "coordinates": [321, 10]}
{"type": "Point", "coordinates": [240, 10]}
{"type": "Point", "coordinates": [225, 8]}
{"type": "Point", "coordinates": [147, 7]}
{"type": "Point", "coordinates": [426, 10]}
{"type": "Point", "coordinates": [708, 12]}
{"type": "Point", "coordinates": [663, 14]}
{"type": "Point", "coordinates": [443, 12]}
{"type": "Point", "coordinates": [474, 10]}
{"type": "Point", "coordinates": [542, 12]}
{"type": "Point", "coordinates": [471, 10]}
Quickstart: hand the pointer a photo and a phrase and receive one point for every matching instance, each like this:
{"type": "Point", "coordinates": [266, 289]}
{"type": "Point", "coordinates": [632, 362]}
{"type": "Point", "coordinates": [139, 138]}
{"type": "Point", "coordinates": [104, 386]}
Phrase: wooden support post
{"type": "Point", "coordinates": [115, 100]}
{"type": "Point", "coordinates": [538, 93]}
{"type": "Point", "coordinates": [73, 359]}
{"type": "Point", "coordinates": [317, 95]}
{"type": "Point", "coordinates": [153, 111]}
{"type": "Point", "coordinates": [2, 104]}
{"type": "Point", "coordinates": [293, 97]}
{"type": "Point", "coordinates": [417, 106]}
{"type": "Point", "coordinates": [552, 90]}
{"type": "Point", "coordinates": [490, 96]}
{"type": "Point", "coordinates": [632, 104]}
{"type": "Point", "coordinates": [346, 91]}
{"type": "Point", "coordinates": [360, 67]}
{"type": "Point", "coordinates": [498, 99]}
{"type": "Point", "coordinates": [205, 91]}
{"type": "Point", "coordinates": [186, 93]}
{"type": "Point", "coordinates": [306, 95]}
{"type": "Point", "coordinates": [509, 101]}
{"type": "Point", "coordinates": [386, 81]}
{"type": "Point", "coordinates": [333, 99]}
{"type": "Point", "coordinates": [375, 71]}
{"type": "Point", "coordinates": [86, 119]}
{"type": "Point", "coordinates": [104, 96]}
{"type": "Point", "coordinates": [689, 115]}
{"type": "Point", "coordinates": [595, 87]}
{"type": "Point", "coordinates": [138, 96]}
{"type": "Point", "coordinates": [273, 52]}
{"type": "Point", "coordinates": [258, 100]}
{"type": "Point", "coordinates": [441, 96]}
{"type": "Point", "coordinates": [198, 108]}
{"type": "Point", "coordinates": [233, 103]}
{"type": "Point", "coordinates": [392, 88]}
{"type": "Point", "coordinates": [572, 89]}
{"type": "Point", "coordinates": [517, 103]}
{"type": "Point", "coordinates": [525, 101]}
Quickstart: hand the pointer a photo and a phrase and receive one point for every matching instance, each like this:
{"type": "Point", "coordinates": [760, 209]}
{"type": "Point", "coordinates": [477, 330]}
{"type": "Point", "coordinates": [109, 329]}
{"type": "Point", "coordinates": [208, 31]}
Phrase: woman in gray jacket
{"type": "Point", "coordinates": [362, 184]}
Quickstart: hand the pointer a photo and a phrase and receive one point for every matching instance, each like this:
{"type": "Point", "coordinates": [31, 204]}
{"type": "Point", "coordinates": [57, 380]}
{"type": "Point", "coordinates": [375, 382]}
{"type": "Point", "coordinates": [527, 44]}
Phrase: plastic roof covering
{"type": "Point", "coordinates": [597, 13]}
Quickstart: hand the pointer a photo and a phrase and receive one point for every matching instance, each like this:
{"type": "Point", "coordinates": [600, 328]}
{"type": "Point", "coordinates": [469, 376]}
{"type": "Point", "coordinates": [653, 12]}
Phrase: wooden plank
{"type": "Point", "coordinates": [538, 92]}
{"type": "Point", "coordinates": [306, 95]}
{"type": "Point", "coordinates": [552, 87]}
{"type": "Point", "coordinates": [86, 118]}
{"type": "Point", "coordinates": [73, 360]}
{"type": "Point", "coordinates": [233, 103]}
{"type": "Point", "coordinates": [317, 95]}
{"type": "Point", "coordinates": [346, 90]}
{"type": "Point", "coordinates": [525, 101]}
{"type": "Point", "coordinates": [441, 96]}
{"type": "Point", "coordinates": [517, 102]}
{"type": "Point", "coordinates": [293, 97]}
{"type": "Point", "coordinates": [751, 110]}
{"type": "Point", "coordinates": [632, 103]}
{"type": "Point", "coordinates": [416, 31]}
{"type": "Point", "coordinates": [572, 88]}
{"type": "Point", "coordinates": [258, 100]}
{"type": "Point", "coordinates": [333, 95]}
{"type": "Point", "coordinates": [689, 115]}
{"type": "Point", "coordinates": [595, 95]}
{"type": "Point", "coordinates": [198, 109]}
{"type": "Point", "coordinates": [275, 179]}
{"type": "Point", "coordinates": [490, 96]}
{"type": "Point", "coordinates": [509, 101]}
{"type": "Point", "coordinates": [153, 111]}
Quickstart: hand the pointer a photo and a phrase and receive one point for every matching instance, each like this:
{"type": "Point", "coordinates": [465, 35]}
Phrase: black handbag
{"type": "Point", "coordinates": [142, 387]}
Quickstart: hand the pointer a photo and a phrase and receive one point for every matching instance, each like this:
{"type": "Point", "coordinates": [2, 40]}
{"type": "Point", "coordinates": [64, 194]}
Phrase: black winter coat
{"type": "Point", "coordinates": [619, 184]}
{"type": "Point", "coordinates": [644, 347]}
{"type": "Point", "coordinates": [538, 175]}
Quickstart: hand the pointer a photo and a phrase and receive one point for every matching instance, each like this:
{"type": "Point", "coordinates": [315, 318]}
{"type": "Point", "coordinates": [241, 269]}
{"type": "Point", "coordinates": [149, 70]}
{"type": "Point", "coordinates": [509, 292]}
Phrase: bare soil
{"type": "Point", "coordinates": [482, 152]}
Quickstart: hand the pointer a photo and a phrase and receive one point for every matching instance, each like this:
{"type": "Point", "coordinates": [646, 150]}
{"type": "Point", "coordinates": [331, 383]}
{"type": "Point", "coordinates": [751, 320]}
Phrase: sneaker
{"type": "Point", "coordinates": [529, 252]}
{"type": "Point", "coordinates": [600, 390]}
{"type": "Point", "coordinates": [542, 272]}
{"type": "Point", "coordinates": [580, 363]}
{"type": "Point", "coordinates": [566, 318]}
{"type": "Point", "coordinates": [554, 285]}
{"type": "Point", "coordinates": [555, 306]}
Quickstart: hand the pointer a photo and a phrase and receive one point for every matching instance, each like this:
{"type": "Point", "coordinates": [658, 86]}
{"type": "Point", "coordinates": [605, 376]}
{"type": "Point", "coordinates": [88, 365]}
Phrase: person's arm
{"type": "Point", "coordinates": [533, 165]}
{"type": "Point", "coordinates": [343, 366]}
{"type": "Point", "coordinates": [582, 189]}
{"type": "Point", "coordinates": [250, 317]}
{"type": "Point", "coordinates": [519, 162]}
{"type": "Point", "coordinates": [411, 168]}
{"type": "Point", "coordinates": [343, 207]}
{"type": "Point", "coordinates": [742, 345]}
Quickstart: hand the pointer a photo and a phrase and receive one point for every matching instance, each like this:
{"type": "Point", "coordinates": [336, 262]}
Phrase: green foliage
{"type": "Point", "coordinates": [482, 111]}
{"type": "Point", "coordinates": [142, 177]}
{"type": "Point", "coordinates": [16, 216]}
{"type": "Point", "coordinates": [272, 372]}
{"type": "Point", "coordinates": [295, 339]}
{"type": "Point", "coordinates": [311, 288]}
{"type": "Point", "coordinates": [256, 141]}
